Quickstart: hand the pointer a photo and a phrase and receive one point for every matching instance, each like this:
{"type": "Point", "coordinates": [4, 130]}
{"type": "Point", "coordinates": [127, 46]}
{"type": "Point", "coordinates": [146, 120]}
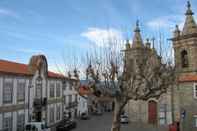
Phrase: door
{"type": "Point", "coordinates": [152, 112]}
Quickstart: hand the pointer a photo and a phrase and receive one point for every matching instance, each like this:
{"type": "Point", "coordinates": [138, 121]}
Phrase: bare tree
{"type": "Point", "coordinates": [147, 75]}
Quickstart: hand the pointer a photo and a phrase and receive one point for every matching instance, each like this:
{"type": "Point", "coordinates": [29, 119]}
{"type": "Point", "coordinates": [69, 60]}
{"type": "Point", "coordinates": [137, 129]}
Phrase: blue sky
{"type": "Point", "coordinates": [68, 28]}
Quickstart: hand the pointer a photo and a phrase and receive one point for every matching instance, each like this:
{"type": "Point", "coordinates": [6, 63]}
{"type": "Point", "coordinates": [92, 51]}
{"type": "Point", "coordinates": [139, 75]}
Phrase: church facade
{"type": "Point", "coordinates": [179, 104]}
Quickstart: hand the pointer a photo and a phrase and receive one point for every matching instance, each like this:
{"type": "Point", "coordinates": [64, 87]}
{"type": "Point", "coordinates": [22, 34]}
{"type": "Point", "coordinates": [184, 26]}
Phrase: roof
{"type": "Point", "coordinates": [84, 90]}
{"type": "Point", "coordinates": [188, 78]}
{"type": "Point", "coordinates": [14, 68]}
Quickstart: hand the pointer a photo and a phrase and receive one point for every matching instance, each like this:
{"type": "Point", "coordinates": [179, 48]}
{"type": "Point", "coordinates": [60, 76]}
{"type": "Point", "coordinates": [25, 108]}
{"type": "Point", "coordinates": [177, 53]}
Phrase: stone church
{"type": "Point", "coordinates": [179, 104]}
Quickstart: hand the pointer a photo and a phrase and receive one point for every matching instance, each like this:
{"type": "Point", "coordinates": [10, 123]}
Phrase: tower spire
{"type": "Point", "coordinates": [189, 10]}
{"type": "Point", "coordinates": [190, 26]}
{"type": "Point", "coordinates": [137, 39]}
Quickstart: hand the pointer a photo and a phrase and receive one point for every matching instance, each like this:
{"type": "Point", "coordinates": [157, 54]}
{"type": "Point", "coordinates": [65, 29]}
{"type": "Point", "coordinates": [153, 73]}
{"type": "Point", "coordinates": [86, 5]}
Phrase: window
{"type": "Point", "coordinates": [20, 122]}
{"type": "Point", "coordinates": [76, 98]}
{"type": "Point", "coordinates": [58, 111]}
{"type": "Point", "coordinates": [39, 87]}
{"type": "Point", "coordinates": [195, 91]}
{"type": "Point", "coordinates": [195, 120]}
{"type": "Point", "coordinates": [64, 85]}
{"type": "Point", "coordinates": [64, 99]}
{"type": "Point", "coordinates": [52, 90]}
{"type": "Point", "coordinates": [7, 123]}
{"type": "Point", "coordinates": [69, 98]}
{"type": "Point", "coordinates": [162, 114]}
{"type": "Point", "coordinates": [184, 59]}
{"type": "Point", "coordinates": [20, 91]}
{"type": "Point", "coordinates": [51, 114]}
{"type": "Point", "coordinates": [58, 90]}
{"type": "Point", "coordinates": [7, 91]}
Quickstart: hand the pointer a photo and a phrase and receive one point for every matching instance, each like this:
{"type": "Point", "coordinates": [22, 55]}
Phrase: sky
{"type": "Point", "coordinates": [65, 29]}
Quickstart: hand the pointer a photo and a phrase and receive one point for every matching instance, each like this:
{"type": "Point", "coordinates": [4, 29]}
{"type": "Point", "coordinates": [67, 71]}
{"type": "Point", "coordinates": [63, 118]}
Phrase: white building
{"type": "Point", "coordinates": [70, 95]}
{"type": "Point", "coordinates": [83, 104]}
{"type": "Point", "coordinates": [83, 99]}
{"type": "Point", "coordinates": [26, 95]}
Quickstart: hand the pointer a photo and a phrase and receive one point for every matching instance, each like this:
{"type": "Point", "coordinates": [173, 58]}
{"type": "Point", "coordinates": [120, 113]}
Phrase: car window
{"type": "Point", "coordinates": [124, 117]}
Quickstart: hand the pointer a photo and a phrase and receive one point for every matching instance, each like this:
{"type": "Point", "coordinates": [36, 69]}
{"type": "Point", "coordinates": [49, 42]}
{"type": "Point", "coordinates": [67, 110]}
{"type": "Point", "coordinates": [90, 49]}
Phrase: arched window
{"type": "Point", "coordinates": [184, 59]}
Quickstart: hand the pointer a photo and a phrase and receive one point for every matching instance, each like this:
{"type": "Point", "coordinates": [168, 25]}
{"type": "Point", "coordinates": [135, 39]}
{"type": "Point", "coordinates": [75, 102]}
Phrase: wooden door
{"type": "Point", "coordinates": [152, 112]}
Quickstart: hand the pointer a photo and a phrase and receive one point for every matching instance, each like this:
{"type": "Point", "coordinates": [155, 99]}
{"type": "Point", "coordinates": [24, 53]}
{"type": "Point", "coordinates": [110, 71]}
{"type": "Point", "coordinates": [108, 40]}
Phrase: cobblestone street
{"type": "Point", "coordinates": [103, 123]}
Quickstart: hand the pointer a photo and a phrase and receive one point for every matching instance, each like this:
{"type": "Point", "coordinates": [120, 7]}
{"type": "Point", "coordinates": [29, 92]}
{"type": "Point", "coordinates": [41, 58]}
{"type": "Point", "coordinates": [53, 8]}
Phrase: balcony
{"type": "Point", "coordinates": [39, 103]}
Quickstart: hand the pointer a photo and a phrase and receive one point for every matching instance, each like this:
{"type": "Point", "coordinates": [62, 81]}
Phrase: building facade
{"type": "Point", "coordinates": [154, 110]}
{"type": "Point", "coordinates": [70, 95]}
{"type": "Point", "coordinates": [30, 93]}
{"type": "Point", "coordinates": [185, 48]}
{"type": "Point", "coordinates": [179, 104]}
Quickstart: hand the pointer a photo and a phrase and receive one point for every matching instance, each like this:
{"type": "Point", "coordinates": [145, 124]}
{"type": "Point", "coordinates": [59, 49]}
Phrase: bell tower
{"type": "Point", "coordinates": [185, 45]}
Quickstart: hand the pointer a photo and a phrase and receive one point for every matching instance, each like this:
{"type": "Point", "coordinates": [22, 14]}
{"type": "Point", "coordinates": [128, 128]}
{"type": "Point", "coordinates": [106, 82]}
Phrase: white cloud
{"type": "Point", "coordinates": [166, 22]}
{"type": "Point", "coordinates": [102, 37]}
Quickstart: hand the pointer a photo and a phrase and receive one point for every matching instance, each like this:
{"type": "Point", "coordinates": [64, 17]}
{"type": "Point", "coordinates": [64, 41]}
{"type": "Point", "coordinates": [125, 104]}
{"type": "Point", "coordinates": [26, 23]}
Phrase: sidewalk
{"type": "Point", "coordinates": [134, 126]}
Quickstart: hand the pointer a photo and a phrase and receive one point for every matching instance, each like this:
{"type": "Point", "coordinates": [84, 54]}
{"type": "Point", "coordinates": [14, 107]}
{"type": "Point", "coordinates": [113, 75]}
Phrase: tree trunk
{"type": "Point", "coordinates": [116, 116]}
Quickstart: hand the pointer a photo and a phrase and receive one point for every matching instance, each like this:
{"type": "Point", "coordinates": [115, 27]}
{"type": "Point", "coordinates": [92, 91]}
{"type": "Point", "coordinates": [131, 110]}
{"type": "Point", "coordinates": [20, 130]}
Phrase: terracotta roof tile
{"type": "Point", "coordinates": [10, 67]}
{"type": "Point", "coordinates": [188, 78]}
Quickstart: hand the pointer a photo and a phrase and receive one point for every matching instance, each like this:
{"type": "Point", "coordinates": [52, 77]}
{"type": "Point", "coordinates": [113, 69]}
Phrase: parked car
{"type": "Point", "coordinates": [35, 126]}
{"type": "Point", "coordinates": [97, 112]}
{"type": "Point", "coordinates": [66, 125]}
{"type": "Point", "coordinates": [63, 127]}
{"type": "Point", "coordinates": [85, 116]}
{"type": "Point", "coordinates": [72, 124]}
{"type": "Point", "coordinates": [124, 119]}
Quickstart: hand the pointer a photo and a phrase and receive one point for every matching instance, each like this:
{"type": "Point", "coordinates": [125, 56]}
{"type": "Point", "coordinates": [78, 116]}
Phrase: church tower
{"type": "Point", "coordinates": [185, 45]}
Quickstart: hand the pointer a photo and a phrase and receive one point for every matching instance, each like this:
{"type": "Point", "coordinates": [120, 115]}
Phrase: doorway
{"type": "Point", "coordinates": [152, 112]}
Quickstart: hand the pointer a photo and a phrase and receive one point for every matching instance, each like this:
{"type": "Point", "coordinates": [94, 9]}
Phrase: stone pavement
{"type": "Point", "coordinates": [103, 123]}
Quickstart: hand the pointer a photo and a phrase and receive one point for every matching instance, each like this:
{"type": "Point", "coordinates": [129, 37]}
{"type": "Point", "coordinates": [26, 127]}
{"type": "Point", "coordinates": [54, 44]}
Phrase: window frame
{"type": "Point", "coordinates": [11, 83]}
{"type": "Point", "coordinates": [38, 87]}
{"type": "Point", "coordinates": [52, 115]}
{"type": "Point", "coordinates": [195, 120]}
{"type": "Point", "coordinates": [20, 124]}
{"type": "Point", "coordinates": [20, 94]}
{"type": "Point", "coordinates": [184, 53]}
{"type": "Point", "coordinates": [58, 89]}
{"type": "Point", "coordinates": [52, 92]}
{"type": "Point", "coordinates": [195, 91]}
{"type": "Point", "coordinates": [5, 118]}
{"type": "Point", "coordinates": [58, 112]}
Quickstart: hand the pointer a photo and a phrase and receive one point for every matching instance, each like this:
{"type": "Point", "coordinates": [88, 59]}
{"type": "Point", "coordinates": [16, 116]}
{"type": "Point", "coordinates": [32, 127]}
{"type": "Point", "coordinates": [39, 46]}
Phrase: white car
{"type": "Point", "coordinates": [35, 126]}
{"type": "Point", "coordinates": [124, 119]}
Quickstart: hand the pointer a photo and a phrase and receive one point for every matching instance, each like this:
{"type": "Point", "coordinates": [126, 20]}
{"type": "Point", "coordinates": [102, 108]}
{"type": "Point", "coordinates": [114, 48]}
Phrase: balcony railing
{"type": "Point", "coordinates": [39, 103]}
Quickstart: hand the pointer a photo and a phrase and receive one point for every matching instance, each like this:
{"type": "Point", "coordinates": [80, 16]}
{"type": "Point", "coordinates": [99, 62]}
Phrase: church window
{"type": "Point", "coordinates": [184, 59]}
